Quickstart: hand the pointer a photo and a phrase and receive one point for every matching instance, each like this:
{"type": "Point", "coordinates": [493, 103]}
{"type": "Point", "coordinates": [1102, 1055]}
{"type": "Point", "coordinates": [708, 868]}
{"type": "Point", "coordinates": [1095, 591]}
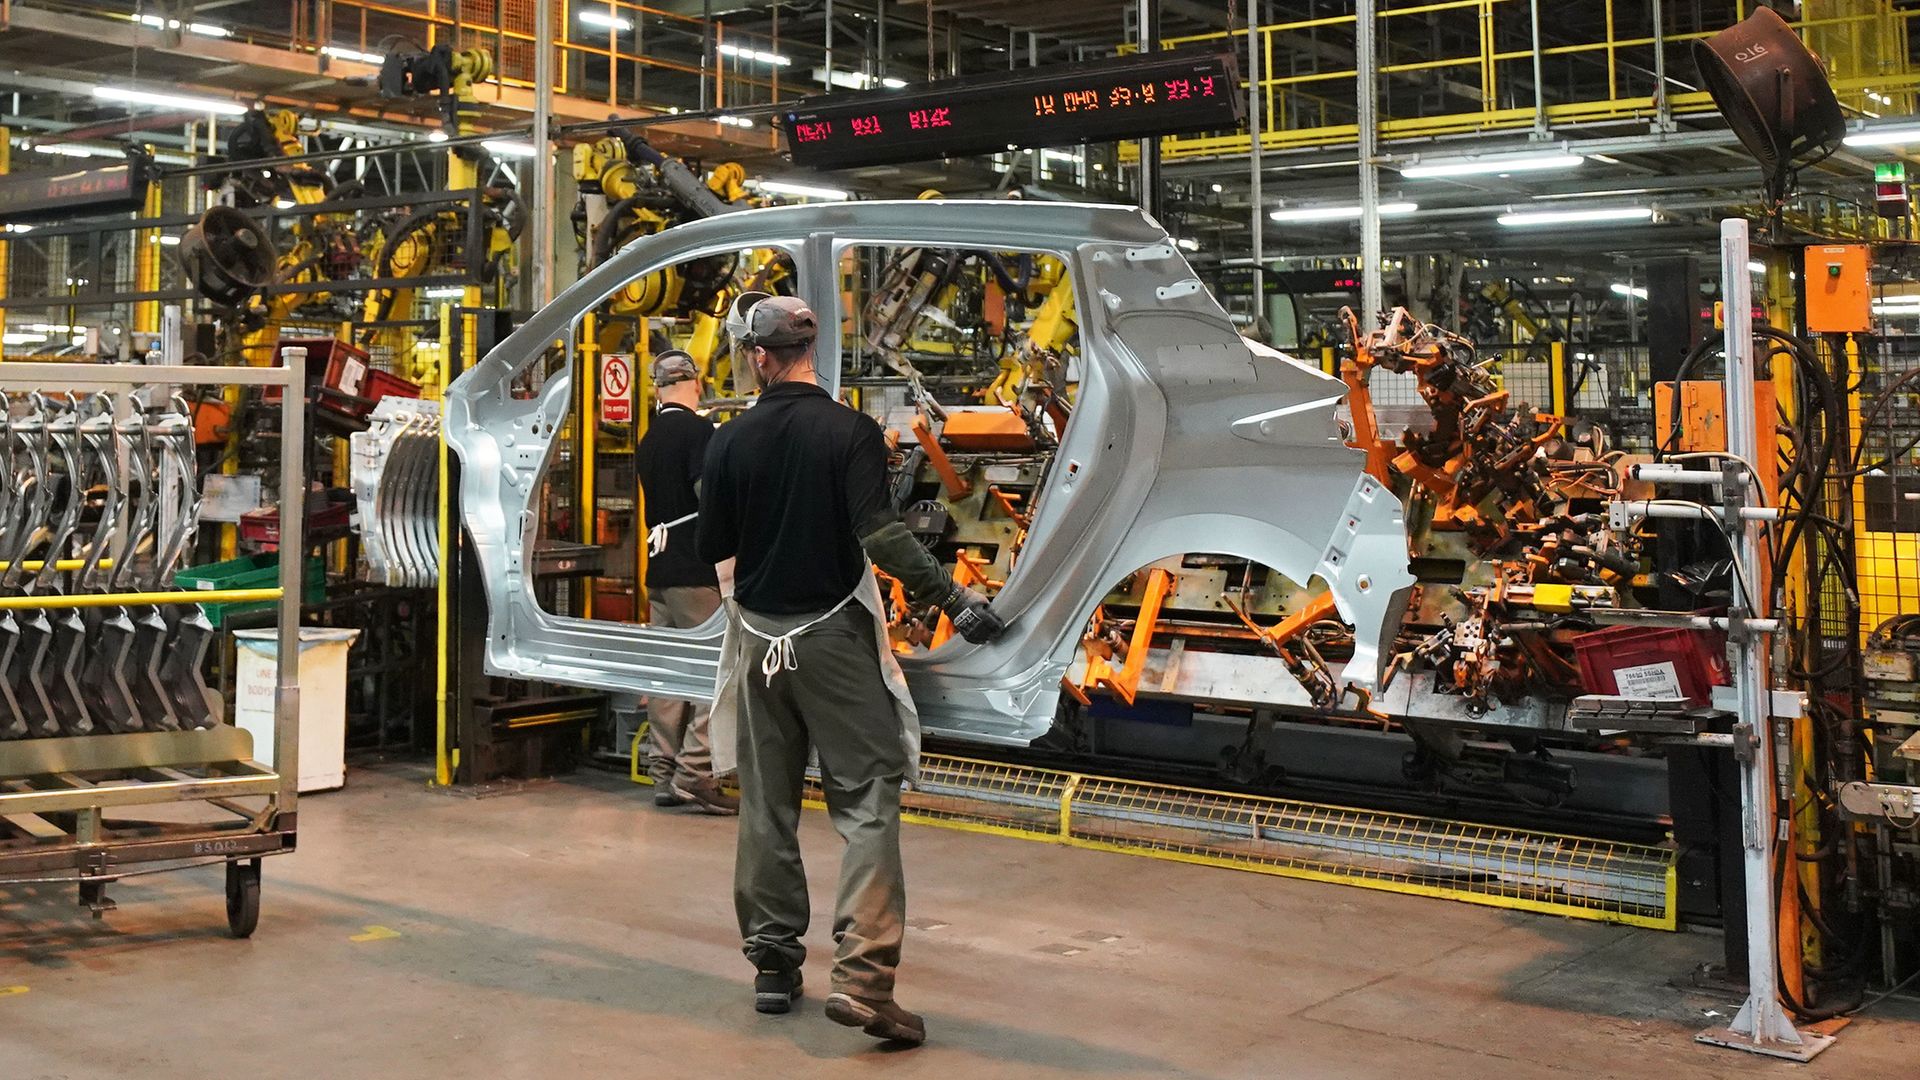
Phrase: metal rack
{"type": "Point", "coordinates": [55, 792]}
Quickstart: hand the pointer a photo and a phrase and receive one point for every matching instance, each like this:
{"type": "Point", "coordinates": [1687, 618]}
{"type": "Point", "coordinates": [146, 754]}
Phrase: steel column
{"type": "Point", "coordinates": [1148, 32]}
{"type": "Point", "coordinates": [1256, 209]}
{"type": "Point", "coordinates": [1367, 98]}
{"type": "Point", "coordinates": [1762, 1025]}
{"type": "Point", "coordinates": [540, 169]}
{"type": "Point", "coordinates": [1539, 80]}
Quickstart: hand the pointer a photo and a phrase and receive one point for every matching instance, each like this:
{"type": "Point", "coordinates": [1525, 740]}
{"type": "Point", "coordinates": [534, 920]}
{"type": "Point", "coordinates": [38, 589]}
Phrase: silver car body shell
{"type": "Point", "coordinates": [1185, 438]}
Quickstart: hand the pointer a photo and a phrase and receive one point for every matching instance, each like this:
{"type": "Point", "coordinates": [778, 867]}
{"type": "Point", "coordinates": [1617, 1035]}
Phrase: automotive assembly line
{"type": "Point", "coordinates": [582, 454]}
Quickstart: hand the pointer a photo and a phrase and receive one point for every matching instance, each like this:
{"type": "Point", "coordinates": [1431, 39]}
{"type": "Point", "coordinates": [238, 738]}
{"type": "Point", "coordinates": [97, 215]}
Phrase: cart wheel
{"type": "Point", "coordinates": [243, 897]}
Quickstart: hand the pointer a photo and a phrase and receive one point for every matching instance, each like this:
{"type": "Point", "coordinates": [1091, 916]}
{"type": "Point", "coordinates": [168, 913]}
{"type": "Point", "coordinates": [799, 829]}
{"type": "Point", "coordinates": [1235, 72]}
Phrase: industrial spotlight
{"type": "Point", "coordinates": [1774, 95]}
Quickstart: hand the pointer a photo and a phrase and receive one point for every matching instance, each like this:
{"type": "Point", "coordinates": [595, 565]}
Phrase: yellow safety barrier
{"type": "Point", "coordinates": [137, 599]}
{"type": "Point", "coordinates": [1524, 870]}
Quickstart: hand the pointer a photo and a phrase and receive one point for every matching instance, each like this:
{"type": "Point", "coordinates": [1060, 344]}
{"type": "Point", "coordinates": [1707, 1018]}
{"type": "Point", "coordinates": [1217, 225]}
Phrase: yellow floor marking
{"type": "Point", "coordinates": [375, 933]}
{"type": "Point", "coordinates": [9, 991]}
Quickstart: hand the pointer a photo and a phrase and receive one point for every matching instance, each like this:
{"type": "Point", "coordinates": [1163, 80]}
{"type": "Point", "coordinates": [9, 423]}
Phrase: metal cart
{"type": "Point", "coordinates": [55, 792]}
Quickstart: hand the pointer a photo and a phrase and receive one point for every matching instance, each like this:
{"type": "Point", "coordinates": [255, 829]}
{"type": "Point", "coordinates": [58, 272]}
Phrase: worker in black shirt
{"type": "Point", "coordinates": [682, 590]}
{"type": "Point", "coordinates": [795, 490]}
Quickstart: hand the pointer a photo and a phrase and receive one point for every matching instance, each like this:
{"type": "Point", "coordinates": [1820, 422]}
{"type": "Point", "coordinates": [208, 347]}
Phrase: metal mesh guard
{"type": "Point", "coordinates": [1481, 864]}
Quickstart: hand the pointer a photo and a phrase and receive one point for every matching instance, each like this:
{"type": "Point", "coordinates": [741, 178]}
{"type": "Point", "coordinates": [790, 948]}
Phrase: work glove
{"type": "Point", "coordinates": [972, 615]}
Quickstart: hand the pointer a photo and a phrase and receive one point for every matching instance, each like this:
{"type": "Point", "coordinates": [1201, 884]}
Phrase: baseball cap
{"type": "Point", "coordinates": [781, 320]}
{"type": "Point", "coordinates": [673, 366]}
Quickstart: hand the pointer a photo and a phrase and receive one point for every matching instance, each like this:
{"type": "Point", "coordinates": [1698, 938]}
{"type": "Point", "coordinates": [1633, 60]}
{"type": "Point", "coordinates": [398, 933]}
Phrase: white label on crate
{"type": "Point", "coordinates": [351, 374]}
{"type": "Point", "coordinates": [1648, 681]}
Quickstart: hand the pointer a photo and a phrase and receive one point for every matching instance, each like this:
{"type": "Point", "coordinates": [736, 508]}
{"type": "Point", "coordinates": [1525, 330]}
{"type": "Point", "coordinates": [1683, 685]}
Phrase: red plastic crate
{"type": "Point", "coordinates": [1653, 661]}
{"type": "Point", "coordinates": [262, 526]}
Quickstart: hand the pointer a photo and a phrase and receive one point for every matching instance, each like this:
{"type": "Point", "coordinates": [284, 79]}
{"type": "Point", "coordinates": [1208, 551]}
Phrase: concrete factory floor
{"type": "Point", "coordinates": [570, 930]}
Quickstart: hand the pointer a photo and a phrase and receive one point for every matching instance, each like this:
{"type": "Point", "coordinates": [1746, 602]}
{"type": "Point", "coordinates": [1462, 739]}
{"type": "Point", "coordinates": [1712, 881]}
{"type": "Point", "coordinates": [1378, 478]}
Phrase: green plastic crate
{"type": "Point", "coordinates": [248, 572]}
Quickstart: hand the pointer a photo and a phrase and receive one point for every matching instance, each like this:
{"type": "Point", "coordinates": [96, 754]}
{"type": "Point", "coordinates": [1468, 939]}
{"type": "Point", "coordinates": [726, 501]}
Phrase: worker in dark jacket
{"type": "Point", "coordinates": [682, 589]}
{"type": "Point", "coordinates": [795, 490]}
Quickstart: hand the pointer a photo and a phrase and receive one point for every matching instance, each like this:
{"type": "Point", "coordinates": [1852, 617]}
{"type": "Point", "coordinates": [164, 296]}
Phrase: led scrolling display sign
{"type": "Point", "coordinates": [1123, 98]}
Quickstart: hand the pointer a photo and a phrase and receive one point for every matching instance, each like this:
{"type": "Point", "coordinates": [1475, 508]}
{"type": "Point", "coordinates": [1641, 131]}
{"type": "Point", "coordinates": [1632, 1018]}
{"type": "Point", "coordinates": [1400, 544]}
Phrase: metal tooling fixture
{"type": "Point", "coordinates": [42, 779]}
{"type": "Point", "coordinates": [1762, 1025]}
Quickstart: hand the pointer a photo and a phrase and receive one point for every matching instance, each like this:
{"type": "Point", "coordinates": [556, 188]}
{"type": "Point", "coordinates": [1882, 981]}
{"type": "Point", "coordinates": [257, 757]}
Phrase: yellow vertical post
{"type": "Point", "coordinates": [586, 447]}
{"type": "Point", "coordinates": [442, 761]}
{"type": "Point", "coordinates": [146, 265]}
{"type": "Point", "coordinates": [1327, 362]}
{"type": "Point", "coordinates": [1557, 377]}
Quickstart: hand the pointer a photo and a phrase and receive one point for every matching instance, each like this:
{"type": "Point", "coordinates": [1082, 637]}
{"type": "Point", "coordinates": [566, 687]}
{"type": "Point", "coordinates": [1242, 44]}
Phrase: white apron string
{"type": "Point", "coordinates": [657, 537]}
{"type": "Point", "coordinates": [780, 655]}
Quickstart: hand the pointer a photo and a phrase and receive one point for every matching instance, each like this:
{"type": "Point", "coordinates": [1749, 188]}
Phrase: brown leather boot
{"type": "Point", "coordinates": [880, 1019]}
{"type": "Point", "coordinates": [706, 795]}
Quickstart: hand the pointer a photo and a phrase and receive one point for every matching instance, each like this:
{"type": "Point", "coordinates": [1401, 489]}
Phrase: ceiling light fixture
{"type": "Point", "coordinates": [606, 20]}
{"type": "Point", "coordinates": [509, 148]}
{"type": "Point", "coordinates": [168, 101]}
{"type": "Point", "coordinates": [1891, 136]}
{"type": "Point", "coordinates": [203, 29]}
{"type": "Point", "coordinates": [735, 121]}
{"type": "Point", "coordinates": [804, 191]}
{"type": "Point", "coordinates": [436, 135]}
{"type": "Point", "coordinates": [1533, 218]}
{"type": "Point", "coordinates": [339, 53]}
{"type": "Point", "coordinates": [1340, 213]}
{"type": "Point", "coordinates": [1629, 290]}
{"type": "Point", "coordinates": [1491, 165]}
{"type": "Point", "coordinates": [744, 53]}
{"type": "Point", "coordinates": [856, 80]}
{"type": "Point", "coordinates": [444, 292]}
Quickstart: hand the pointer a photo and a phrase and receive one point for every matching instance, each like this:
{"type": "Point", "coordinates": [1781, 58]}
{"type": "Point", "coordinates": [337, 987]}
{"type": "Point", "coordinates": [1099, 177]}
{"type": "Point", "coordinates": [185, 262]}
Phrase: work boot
{"type": "Point", "coordinates": [705, 793]}
{"type": "Point", "coordinates": [775, 989]}
{"type": "Point", "coordinates": [663, 795]}
{"type": "Point", "coordinates": [880, 1019]}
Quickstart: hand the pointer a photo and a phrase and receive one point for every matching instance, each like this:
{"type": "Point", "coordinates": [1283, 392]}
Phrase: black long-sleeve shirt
{"type": "Point", "coordinates": [668, 460]}
{"type": "Point", "coordinates": [788, 489]}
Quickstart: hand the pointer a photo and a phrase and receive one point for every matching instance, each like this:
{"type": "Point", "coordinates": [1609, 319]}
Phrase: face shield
{"type": "Point", "coordinates": [745, 379]}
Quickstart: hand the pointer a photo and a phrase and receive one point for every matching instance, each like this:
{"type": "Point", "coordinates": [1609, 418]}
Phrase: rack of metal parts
{"type": "Point", "coordinates": [396, 488]}
{"type": "Point", "coordinates": [103, 694]}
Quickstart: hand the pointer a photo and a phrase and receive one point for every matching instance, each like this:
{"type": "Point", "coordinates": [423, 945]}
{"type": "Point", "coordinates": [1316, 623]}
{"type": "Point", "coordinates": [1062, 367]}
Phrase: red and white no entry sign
{"type": "Point", "coordinates": [616, 388]}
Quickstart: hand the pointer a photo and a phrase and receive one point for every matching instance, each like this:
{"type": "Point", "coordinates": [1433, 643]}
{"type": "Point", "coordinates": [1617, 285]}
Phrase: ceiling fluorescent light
{"type": "Point", "coordinates": [339, 53]}
{"type": "Point", "coordinates": [735, 121]}
{"type": "Point", "coordinates": [1757, 267]}
{"type": "Point", "coordinates": [1526, 219]}
{"type": "Point", "coordinates": [606, 20]}
{"type": "Point", "coordinates": [75, 150]}
{"type": "Point", "coordinates": [805, 191]}
{"type": "Point", "coordinates": [1491, 165]}
{"type": "Point", "coordinates": [1629, 290]}
{"type": "Point", "coordinates": [1340, 213]}
{"type": "Point", "coordinates": [444, 292]}
{"type": "Point", "coordinates": [436, 135]}
{"type": "Point", "coordinates": [203, 29]}
{"type": "Point", "coordinates": [856, 80]}
{"type": "Point", "coordinates": [509, 148]}
{"type": "Point", "coordinates": [1890, 136]}
{"type": "Point", "coordinates": [744, 53]}
{"type": "Point", "coordinates": [168, 101]}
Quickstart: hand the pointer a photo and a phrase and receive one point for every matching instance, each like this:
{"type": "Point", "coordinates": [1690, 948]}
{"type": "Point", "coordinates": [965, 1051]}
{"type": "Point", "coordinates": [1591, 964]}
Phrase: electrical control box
{"type": "Point", "coordinates": [1839, 299]}
{"type": "Point", "coordinates": [1701, 423]}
